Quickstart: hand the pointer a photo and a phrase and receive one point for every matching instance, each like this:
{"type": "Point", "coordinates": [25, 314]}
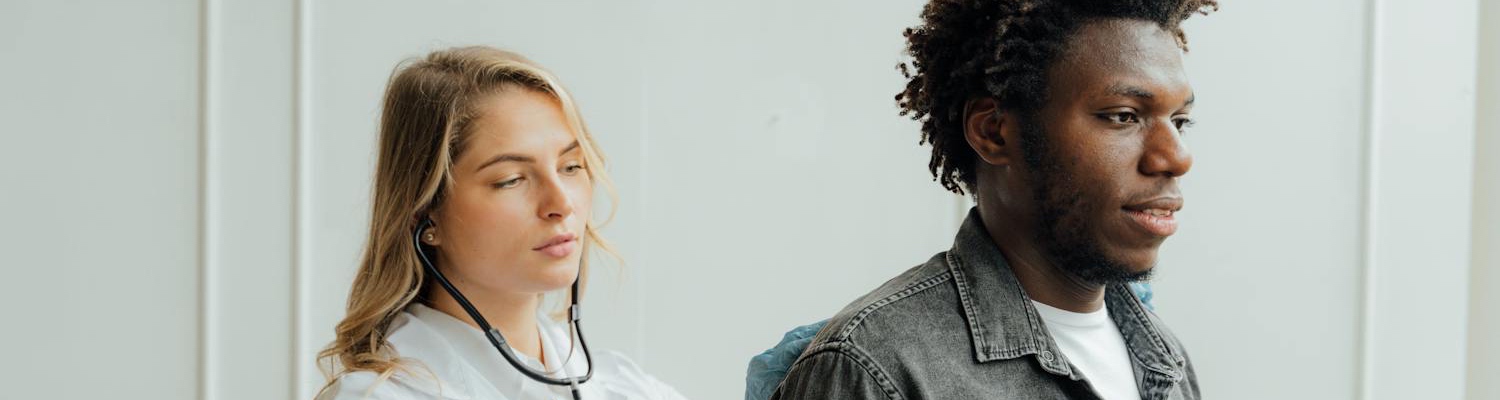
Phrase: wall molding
{"type": "Point", "coordinates": [1418, 198]}
{"type": "Point", "coordinates": [246, 159]}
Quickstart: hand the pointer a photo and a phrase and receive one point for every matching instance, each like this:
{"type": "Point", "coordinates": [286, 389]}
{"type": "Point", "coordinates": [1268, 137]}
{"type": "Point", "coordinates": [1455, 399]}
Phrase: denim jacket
{"type": "Point", "coordinates": [960, 327]}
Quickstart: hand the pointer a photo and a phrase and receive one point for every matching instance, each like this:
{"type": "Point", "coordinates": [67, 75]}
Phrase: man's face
{"type": "Point", "coordinates": [1102, 156]}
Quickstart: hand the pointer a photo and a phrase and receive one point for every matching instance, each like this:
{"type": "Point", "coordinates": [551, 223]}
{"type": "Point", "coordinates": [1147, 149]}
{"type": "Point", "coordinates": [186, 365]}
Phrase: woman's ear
{"type": "Point", "coordinates": [988, 129]}
{"type": "Point", "coordinates": [429, 232]}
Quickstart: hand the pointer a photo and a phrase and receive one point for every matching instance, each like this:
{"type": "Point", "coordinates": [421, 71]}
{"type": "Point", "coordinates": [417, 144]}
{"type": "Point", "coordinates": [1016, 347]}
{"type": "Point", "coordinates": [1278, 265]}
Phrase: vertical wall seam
{"type": "Point", "coordinates": [1365, 366]}
{"type": "Point", "coordinates": [300, 203]}
{"type": "Point", "coordinates": [1476, 360]}
{"type": "Point", "coordinates": [207, 334]}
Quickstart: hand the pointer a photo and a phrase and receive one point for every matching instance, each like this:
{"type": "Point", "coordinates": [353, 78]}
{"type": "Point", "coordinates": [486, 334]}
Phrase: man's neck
{"type": "Point", "coordinates": [1043, 280]}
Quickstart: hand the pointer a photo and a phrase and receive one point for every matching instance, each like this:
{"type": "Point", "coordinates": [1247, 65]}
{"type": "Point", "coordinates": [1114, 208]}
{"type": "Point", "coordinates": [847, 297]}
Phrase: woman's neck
{"type": "Point", "coordinates": [513, 315]}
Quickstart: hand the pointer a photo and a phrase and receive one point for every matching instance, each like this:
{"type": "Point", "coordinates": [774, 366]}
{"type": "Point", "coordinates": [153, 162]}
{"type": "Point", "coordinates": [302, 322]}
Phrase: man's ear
{"type": "Point", "coordinates": [990, 131]}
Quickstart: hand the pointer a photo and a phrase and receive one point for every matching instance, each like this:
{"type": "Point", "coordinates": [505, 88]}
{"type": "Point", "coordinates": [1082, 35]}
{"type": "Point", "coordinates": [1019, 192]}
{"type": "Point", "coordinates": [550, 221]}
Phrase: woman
{"type": "Point", "coordinates": [483, 192]}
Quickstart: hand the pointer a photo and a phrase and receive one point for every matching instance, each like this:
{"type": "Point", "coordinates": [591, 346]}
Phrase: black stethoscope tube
{"type": "Point", "coordinates": [496, 339]}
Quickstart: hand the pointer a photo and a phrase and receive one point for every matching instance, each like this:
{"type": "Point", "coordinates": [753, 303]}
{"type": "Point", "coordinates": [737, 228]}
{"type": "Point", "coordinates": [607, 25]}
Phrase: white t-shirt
{"type": "Point", "coordinates": [449, 359]}
{"type": "Point", "coordinates": [1092, 343]}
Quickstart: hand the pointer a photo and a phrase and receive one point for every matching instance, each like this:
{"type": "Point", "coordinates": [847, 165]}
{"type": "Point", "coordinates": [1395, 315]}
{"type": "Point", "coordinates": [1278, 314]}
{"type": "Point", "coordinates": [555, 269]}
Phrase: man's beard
{"type": "Point", "coordinates": [1064, 218]}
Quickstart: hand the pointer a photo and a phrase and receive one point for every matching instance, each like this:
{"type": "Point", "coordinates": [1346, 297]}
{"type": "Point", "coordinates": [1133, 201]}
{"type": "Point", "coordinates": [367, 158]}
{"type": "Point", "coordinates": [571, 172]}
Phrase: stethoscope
{"type": "Point", "coordinates": [496, 339]}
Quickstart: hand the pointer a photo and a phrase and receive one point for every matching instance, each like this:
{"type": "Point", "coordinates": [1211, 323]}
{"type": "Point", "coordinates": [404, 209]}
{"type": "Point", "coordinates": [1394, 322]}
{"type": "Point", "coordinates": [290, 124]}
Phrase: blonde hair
{"type": "Point", "coordinates": [429, 103]}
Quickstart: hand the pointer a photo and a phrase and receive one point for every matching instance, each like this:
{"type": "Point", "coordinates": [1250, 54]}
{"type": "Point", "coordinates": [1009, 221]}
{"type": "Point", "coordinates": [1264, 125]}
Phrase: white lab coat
{"type": "Point", "coordinates": [448, 359]}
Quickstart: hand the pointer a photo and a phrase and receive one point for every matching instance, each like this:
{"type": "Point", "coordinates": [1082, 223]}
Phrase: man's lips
{"type": "Point", "coordinates": [558, 246]}
{"type": "Point", "coordinates": [1156, 216]}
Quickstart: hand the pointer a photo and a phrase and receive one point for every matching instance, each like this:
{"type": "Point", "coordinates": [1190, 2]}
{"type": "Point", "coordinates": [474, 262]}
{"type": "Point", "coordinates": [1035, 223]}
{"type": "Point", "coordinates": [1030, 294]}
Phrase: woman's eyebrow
{"type": "Point", "coordinates": [508, 157]}
{"type": "Point", "coordinates": [512, 157]}
{"type": "Point", "coordinates": [570, 147]}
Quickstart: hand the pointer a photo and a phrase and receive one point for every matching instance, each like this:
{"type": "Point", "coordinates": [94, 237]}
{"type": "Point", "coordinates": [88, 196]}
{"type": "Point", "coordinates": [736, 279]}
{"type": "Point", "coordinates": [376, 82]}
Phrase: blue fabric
{"type": "Point", "coordinates": [769, 367]}
{"type": "Point", "coordinates": [1143, 291]}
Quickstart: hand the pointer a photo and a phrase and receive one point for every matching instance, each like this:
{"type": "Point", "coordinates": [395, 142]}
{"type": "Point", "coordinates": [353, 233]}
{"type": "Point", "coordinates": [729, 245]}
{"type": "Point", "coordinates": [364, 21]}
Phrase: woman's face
{"type": "Point", "coordinates": [513, 221]}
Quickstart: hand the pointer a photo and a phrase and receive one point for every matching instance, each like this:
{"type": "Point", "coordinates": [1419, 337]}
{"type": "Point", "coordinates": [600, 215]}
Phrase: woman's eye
{"type": "Point", "coordinates": [572, 169]}
{"type": "Point", "coordinates": [1122, 118]}
{"type": "Point", "coordinates": [508, 184]}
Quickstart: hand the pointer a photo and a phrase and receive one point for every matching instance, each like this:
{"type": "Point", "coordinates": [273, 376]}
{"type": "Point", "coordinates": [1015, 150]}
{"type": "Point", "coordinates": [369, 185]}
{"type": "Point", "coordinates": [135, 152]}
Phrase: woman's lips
{"type": "Point", "coordinates": [559, 246]}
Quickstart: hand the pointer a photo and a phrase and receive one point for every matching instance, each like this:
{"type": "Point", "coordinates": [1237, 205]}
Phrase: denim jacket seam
{"type": "Point", "coordinates": [853, 352]}
{"type": "Point", "coordinates": [961, 283]}
{"type": "Point", "coordinates": [1139, 314]}
{"type": "Point", "coordinates": [991, 351]}
{"type": "Point", "coordinates": [848, 329]}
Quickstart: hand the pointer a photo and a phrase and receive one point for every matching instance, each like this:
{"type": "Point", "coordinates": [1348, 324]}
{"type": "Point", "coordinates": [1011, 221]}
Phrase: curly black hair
{"type": "Point", "coordinates": [1000, 48]}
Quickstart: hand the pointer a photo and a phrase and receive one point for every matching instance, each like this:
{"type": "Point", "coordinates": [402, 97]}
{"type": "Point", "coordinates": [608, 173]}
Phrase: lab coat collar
{"type": "Point", "coordinates": [463, 358]}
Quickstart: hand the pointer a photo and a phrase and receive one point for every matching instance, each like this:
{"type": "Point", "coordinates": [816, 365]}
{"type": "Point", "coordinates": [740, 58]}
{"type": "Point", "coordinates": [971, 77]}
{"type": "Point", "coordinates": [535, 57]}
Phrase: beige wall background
{"type": "Point", "coordinates": [188, 183]}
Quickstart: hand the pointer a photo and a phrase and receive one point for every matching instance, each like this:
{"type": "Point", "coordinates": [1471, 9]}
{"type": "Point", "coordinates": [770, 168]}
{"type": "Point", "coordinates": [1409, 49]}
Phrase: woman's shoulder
{"type": "Point", "coordinates": [398, 385]}
{"type": "Point", "coordinates": [364, 385]}
{"type": "Point", "coordinates": [417, 350]}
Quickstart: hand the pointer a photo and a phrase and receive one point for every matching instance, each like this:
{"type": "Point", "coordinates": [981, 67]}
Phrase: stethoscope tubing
{"type": "Point", "coordinates": [496, 339]}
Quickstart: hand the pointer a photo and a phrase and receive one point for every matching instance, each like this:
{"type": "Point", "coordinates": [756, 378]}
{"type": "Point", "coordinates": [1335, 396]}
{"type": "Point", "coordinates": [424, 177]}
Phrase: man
{"type": "Point", "coordinates": [1064, 120]}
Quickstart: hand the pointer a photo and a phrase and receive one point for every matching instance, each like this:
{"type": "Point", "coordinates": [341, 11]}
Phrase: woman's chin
{"type": "Point", "coordinates": [555, 275]}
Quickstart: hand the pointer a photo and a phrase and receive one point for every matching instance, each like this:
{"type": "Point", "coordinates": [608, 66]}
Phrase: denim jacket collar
{"type": "Point", "coordinates": [1003, 324]}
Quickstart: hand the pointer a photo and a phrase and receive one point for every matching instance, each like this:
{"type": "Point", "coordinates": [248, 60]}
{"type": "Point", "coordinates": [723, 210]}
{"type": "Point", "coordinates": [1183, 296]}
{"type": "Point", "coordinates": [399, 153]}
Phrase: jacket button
{"type": "Point", "coordinates": [1047, 356]}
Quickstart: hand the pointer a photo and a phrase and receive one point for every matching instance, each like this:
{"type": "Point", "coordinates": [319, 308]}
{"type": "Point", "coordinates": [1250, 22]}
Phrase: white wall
{"type": "Point", "coordinates": [1264, 273]}
{"type": "Point", "coordinates": [1418, 214]}
{"type": "Point", "coordinates": [1325, 247]}
{"type": "Point", "coordinates": [204, 167]}
{"type": "Point", "coordinates": [100, 183]}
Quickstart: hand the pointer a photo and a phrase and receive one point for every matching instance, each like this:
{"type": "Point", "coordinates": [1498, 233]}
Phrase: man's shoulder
{"type": "Point", "coordinates": [919, 306]}
{"type": "Point", "coordinates": [857, 354]}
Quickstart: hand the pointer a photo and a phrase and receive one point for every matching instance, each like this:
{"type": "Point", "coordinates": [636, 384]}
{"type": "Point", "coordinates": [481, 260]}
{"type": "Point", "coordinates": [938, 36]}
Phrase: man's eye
{"type": "Point", "coordinates": [1183, 124]}
{"type": "Point", "coordinates": [1121, 118]}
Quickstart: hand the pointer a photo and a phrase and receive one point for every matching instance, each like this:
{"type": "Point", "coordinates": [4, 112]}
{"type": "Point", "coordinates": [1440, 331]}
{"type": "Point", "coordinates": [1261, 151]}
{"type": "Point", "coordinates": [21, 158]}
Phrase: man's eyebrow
{"type": "Point", "coordinates": [1137, 91]}
{"type": "Point", "coordinates": [509, 157]}
{"type": "Point", "coordinates": [1131, 91]}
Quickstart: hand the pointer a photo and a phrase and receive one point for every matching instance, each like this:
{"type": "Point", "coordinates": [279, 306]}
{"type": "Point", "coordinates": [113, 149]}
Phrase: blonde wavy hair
{"type": "Point", "coordinates": [429, 103]}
